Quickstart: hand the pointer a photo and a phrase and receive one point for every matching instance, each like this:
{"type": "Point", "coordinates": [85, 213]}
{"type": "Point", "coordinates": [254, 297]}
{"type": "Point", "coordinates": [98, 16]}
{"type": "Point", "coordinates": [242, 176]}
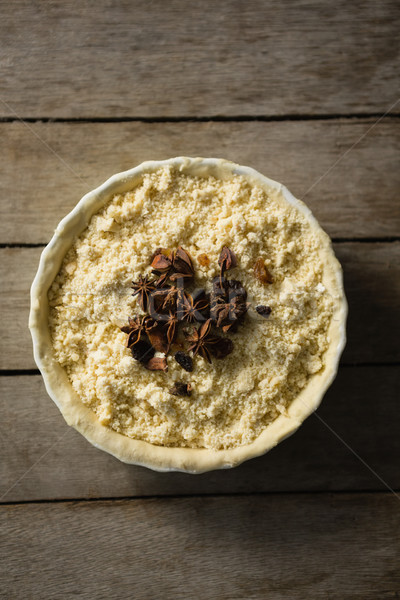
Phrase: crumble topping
{"type": "Point", "coordinates": [224, 404]}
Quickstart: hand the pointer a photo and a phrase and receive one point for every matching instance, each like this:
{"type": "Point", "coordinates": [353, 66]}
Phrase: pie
{"type": "Point", "coordinates": [188, 314]}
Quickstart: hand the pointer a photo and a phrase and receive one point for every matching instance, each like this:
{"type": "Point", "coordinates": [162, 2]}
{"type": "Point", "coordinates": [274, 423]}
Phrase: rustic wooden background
{"type": "Point", "coordinates": [308, 93]}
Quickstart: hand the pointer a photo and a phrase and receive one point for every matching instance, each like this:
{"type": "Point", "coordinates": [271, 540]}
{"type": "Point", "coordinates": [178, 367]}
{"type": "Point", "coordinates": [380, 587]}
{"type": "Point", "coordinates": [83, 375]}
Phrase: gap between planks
{"type": "Point", "coordinates": [206, 495]}
{"type": "Point", "coordinates": [203, 118]}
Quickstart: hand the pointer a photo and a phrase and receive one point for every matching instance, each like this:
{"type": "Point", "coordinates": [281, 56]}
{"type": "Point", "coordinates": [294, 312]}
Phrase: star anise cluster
{"type": "Point", "coordinates": [167, 303]}
{"type": "Point", "coordinates": [177, 317]}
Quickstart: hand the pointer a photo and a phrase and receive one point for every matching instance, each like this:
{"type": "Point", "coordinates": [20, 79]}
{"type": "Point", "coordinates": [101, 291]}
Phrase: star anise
{"type": "Point", "coordinates": [162, 266]}
{"type": "Point", "coordinates": [175, 265]}
{"type": "Point", "coordinates": [163, 300]}
{"type": "Point", "coordinates": [143, 288]}
{"type": "Point", "coordinates": [135, 329]}
{"type": "Point", "coordinates": [145, 332]}
{"type": "Point", "coordinates": [227, 260]}
{"type": "Point", "coordinates": [203, 341]}
{"type": "Point", "coordinates": [190, 307]}
{"type": "Point", "coordinates": [170, 327]}
{"type": "Point", "coordinates": [229, 313]}
{"type": "Point", "coordinates": [228, 303]}
{"type": "Point", "coordinates": [182, 264]}
{"type": "Point", "coordinates": [157, 335]}
{"type": "Point", "coordinates": [138, 342]}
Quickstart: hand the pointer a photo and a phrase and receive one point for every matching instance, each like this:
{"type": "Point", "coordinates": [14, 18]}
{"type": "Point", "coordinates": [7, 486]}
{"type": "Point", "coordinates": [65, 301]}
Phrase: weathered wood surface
{"type": "Point", "coordinates": [342, 547]}
{"type": "Point", "coordinates": [372, 283]}
{"type": "Point", "coordinates": [44, 459]}
{"type": "Point", "coordinates": [232, 58]}
{"type": "Point", "coordinates": [168, 60]}
{"type": "Point", "coordinates": [359, 197]}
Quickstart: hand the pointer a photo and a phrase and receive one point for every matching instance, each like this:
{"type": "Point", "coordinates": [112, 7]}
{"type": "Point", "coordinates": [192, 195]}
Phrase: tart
{"type": "Point", "coordinates": [188, 315]}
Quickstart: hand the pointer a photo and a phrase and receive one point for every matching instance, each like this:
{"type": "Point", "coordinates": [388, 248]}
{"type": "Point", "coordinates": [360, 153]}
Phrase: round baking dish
{"type": "Point", "coordinates": [82, 418]}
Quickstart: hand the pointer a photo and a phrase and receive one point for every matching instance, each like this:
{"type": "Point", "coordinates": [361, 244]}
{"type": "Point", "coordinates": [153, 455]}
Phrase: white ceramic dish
{"type": "Point", "coordinates": [143, 453]}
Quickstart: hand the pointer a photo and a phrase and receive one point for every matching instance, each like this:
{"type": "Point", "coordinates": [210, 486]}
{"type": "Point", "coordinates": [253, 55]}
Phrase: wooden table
{"type": "Point", "coordinates": [306, 92]}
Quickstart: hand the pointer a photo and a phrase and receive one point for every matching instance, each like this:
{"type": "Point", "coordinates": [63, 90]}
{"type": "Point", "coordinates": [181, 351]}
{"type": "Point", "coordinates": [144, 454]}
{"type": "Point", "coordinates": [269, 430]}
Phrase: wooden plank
{"type": "Point", "coordinates": [44, 459]}
{"type": "Point", "coordinates": [342, 547]}
{"type": "Point", "coordinates": [17, 270]}
{"type": "Point", "coordinates": [230, 58]}
{"type": "Point", "coordinates": [372, 282]}
{"type": "Point", "coordinates": [359, 197]}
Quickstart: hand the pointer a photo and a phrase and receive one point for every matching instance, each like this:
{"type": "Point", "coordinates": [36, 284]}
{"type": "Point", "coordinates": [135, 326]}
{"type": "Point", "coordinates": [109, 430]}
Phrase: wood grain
{"type": "Point", "coordinates": [108, 59]}
{"type": "Point", "coordinates": [358, 197]}
{"type": "Point", "coordinates": [342, 547]}
{"type": "Point", "coordinates": [44, 459]}
{"type": "Point", "coordinates": [372, 283]}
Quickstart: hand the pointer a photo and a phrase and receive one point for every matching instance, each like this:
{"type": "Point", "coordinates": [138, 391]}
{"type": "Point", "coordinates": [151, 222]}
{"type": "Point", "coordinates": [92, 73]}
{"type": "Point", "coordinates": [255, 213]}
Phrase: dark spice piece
{"type": "Point", "coordinates": [218, 289]}
{"type": "Point", "coordinates": [184, 360]}
{"type": "Point", "coordinates": [181, 389]}
{"type": "Point", "coordinates": [222, 348]}
{"type": "Point", "coordinates": [264, 311]}
{"type": "Point", "coordinates": [143, 287]}
{"type": "Point", "coordinates": [261, 272]}
{"type": "Point", "coordinates": [237, 287]}
{"type": "Point", "coordinates": [218, 296]}
{"type": "Point", "coordinates": [142, 351]}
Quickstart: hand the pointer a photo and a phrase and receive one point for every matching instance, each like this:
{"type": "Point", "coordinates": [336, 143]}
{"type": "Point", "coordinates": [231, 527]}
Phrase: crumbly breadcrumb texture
{"type": "Point", "coordinates": [234, 399]}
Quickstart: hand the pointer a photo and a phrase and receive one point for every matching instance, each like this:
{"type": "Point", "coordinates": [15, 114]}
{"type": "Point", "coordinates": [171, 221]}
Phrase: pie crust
{"type": "Point", "coordinates": [133, 451]}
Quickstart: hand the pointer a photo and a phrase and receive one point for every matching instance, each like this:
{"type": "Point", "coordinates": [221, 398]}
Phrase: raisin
{"type": "Point", "coordinates": [203, 260]}
{"type": "Point", "coordinates": [261, 272]}
{"type": "Point", "coordinates": [181, 389]}
{"type": "Point", "coordinates": [184, 360]}
{"type": "Point", "coordinates": [264, 311]}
